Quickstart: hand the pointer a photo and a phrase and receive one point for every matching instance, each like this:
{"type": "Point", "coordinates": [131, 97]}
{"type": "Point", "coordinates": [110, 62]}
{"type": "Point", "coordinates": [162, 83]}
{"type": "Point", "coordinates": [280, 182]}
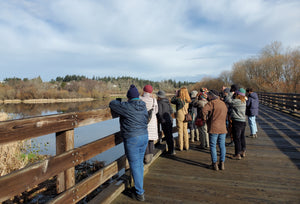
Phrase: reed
{"type": "Point", "coordinates": [11, 158]}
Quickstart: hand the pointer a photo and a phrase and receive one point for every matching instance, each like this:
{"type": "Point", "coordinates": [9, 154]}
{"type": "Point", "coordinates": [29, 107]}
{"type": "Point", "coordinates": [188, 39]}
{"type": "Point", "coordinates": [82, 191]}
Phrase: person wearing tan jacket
{"type": "Point", "coordinates": [182, 100]}
{"type": "Point", "coordinates": [215, 113]}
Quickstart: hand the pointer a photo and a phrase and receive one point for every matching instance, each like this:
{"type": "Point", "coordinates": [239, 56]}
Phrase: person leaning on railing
{"type": "Point", "coordinates": [133, 121]}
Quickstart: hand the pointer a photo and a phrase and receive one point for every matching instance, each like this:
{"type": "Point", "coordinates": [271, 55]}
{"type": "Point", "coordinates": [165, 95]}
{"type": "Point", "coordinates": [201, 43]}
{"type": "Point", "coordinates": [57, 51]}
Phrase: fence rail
{"type": "Point", "coordinates": [67, 157]}
{"type": "Point", "coordinates": [287, 102]}
{"type": "Point", "coordinates": [62, 165]}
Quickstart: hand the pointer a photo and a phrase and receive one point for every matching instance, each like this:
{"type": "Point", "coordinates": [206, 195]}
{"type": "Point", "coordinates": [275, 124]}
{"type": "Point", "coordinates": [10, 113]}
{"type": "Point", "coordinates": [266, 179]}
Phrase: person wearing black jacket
{"type": "Point", "coordinates": [165, 119]}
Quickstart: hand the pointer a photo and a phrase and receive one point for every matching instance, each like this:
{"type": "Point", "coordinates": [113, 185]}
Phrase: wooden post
{"type": "Point", "coordinates": [65, 142]}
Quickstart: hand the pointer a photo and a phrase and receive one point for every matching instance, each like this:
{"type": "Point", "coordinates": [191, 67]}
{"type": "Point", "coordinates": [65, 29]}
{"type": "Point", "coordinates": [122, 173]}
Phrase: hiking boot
{"type": "Point", "coordinates": [214, 166]}
{"type": "Point", "coordinates": [236, 157]}
{"type": "Point", "coordinates": [138, 197]}
{"type": "Point", "coordinates": [221, 166]}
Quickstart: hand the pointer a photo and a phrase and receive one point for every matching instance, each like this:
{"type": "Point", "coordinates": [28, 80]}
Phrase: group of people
{"type": "Point", "coordinates": [212, 115]}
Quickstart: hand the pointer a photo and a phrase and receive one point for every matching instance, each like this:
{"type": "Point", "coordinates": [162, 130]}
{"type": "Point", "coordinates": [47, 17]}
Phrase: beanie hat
{"type": "Point", "coordinates": [132, 92]}
{"type": "Point", "coordinates": [194, 94]}
{"type": "Point", "coordinates": [148, 88]}
{"type": "Point", "coordinates": [241, 92]}
{"type": "Point", "coordinates": [161, 94]}
{"type": "Point", "coordinates": [203, 95]}
{"type": "Point", "coordinates": [204, 90]}
{"type": "Point", "coordinates": [234, 88]}
{"type": "Point", "coordinates": [213, 92]}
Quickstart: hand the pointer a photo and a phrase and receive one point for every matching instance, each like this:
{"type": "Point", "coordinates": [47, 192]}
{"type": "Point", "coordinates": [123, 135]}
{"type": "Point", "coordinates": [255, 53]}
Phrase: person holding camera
{"type": "Point", "coordinates": [182, 100]}
{"type": "Point", "coordinates": [237, 102]}
{"type": "Point", "coordinates": [134, 122]}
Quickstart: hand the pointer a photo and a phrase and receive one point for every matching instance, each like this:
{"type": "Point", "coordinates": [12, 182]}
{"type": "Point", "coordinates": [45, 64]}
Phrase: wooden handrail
{"type": "Point", "coordinates": [67, 157]}
{"type": "Point", "coordinates": [17, 130]}
{"type": "Point", "coordinates": [287, 102]}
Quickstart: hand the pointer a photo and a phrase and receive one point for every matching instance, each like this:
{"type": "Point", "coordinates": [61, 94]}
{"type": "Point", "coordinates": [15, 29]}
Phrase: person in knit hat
{"type": "Point", "coordinates": [151, 103]}
{"type": "Point", "coordinates": [134, 130]}
{"type": "Point", "coordinates": [237, 101]}
{"type": "Point", "coordinates": [199, 103]}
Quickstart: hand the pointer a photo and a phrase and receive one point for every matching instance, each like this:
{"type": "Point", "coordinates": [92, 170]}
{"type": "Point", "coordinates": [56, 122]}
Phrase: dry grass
{"type": "Point", "coordinates": [10, 159]}
{"type": "Point", "coordinates": [10, 154]}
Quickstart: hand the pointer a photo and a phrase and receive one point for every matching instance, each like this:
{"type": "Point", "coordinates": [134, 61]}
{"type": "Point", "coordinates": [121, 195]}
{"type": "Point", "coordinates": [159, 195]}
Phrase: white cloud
{"type": "Point", "coordinates": [142, 38]}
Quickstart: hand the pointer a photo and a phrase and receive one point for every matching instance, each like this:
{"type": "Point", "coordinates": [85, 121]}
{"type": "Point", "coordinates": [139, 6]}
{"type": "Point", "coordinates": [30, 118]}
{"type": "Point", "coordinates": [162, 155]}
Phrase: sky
{"type": "Point", "coordinates": [182, 40]}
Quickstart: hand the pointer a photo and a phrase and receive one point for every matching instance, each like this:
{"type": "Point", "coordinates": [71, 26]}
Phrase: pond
{"type": "Point", "coordinates": [83, 135]}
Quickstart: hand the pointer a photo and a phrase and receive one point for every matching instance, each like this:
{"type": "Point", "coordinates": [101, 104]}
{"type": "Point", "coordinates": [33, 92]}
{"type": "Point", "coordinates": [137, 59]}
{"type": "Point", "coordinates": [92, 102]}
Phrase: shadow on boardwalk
{"type": "Point", "coordinates": [269, 173]}
{"type": "Point", "coordinates": [283, 130]}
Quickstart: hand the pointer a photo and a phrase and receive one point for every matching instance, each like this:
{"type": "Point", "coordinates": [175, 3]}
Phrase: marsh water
{"type": "Point", "coordinates": [83, 135]}
{"type": "Point", "coordinates": [47, 145]}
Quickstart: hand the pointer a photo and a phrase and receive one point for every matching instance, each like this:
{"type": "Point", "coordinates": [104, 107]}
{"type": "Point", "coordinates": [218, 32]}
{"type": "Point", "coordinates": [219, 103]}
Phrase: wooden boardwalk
{"type": "Point", "coordinates": [270, 173]}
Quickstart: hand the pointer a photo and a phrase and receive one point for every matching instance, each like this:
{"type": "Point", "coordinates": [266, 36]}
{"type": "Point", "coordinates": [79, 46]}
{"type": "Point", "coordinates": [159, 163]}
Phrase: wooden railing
{"type": "Point", "coordinates": [287, 102]}
{"type": "Point", "coordinates": [62, 165]}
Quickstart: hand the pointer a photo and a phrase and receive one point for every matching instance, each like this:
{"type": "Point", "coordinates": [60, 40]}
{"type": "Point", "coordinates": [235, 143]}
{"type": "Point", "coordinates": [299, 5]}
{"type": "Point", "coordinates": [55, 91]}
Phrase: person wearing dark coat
{"type": "Point", "coordinates": [252, 105]}
{"type": "Point", "coordinates": [164, 116]}
{"type": "Point", "coordinates": [134, 122]}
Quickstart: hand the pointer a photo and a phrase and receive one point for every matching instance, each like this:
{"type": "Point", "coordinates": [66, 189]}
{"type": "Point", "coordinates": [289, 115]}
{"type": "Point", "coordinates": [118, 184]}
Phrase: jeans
{"type": "Point", "coordinates": [238, 131]}
{"type": "Point", "coordinates": [135, 148]}
{"type": "Point", "coordinates": [252, 124]}
{"type": "Point", "coordinates": [213, 140]}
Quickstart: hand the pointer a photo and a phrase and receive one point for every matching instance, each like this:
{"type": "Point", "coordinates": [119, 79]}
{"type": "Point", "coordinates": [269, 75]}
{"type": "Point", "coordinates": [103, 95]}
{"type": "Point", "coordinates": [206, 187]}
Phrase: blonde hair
{"type": "Point", "coordinates": [184, 95]}
{"type": "Point", "coordinates": [242, 98]}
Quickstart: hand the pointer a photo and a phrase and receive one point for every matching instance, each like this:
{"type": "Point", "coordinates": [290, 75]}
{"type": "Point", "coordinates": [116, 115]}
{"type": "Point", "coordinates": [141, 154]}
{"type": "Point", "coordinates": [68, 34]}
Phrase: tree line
{"type": "Point", "coordinates": [75, 86]}
{"type": "Point", "coordinates": [274, 69]}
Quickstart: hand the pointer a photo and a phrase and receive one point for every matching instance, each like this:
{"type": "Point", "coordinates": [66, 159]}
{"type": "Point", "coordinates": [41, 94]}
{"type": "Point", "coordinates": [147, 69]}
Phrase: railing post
{"type": "Point", "coordinates": [65, 142]}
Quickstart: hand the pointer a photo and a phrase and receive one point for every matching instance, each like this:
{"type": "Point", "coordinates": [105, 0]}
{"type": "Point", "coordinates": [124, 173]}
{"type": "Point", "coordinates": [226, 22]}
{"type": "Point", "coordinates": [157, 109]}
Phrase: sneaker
{"type": "Point", "coordinates": [221, 166]}
{"type": "Point", "coordinates": [243, 154]}
{"type": "Point", "coordinates": [251, 136]}
{"type": "Point", "coordinates": [236, 157]}
{"type": "Point", "coordinates": [230, 144]}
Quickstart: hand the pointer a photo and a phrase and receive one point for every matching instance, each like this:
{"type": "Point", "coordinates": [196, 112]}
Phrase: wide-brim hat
{"type": "Point", "coordinates": [161, 94]}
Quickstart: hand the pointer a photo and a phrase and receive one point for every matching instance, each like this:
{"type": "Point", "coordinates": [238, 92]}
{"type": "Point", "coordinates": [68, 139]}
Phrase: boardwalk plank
{"type": "Point", "coordinates": [270, 173]}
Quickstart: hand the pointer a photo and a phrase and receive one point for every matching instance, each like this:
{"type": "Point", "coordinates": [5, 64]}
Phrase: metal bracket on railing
{"type": "Point", "coordinates": [76, 159]}
{"type": "Point", "coordinates": [75, 196]}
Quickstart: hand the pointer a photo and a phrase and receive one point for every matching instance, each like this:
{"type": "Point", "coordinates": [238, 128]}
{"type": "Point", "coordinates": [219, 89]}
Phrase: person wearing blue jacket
{"type": "Point", "coordinates": [133, 124]}
{"type": "Point", "coordinates": [252, 105]}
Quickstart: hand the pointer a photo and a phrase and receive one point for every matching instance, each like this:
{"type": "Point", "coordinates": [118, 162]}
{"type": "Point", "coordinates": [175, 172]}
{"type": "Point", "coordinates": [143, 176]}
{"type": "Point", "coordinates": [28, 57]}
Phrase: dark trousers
{"type": "Point", "coordinates": [167, 129]}
{"type": "Point", "coordinates": [150, 147]}
{"type": "Point", "coordinates": [238, 131]}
